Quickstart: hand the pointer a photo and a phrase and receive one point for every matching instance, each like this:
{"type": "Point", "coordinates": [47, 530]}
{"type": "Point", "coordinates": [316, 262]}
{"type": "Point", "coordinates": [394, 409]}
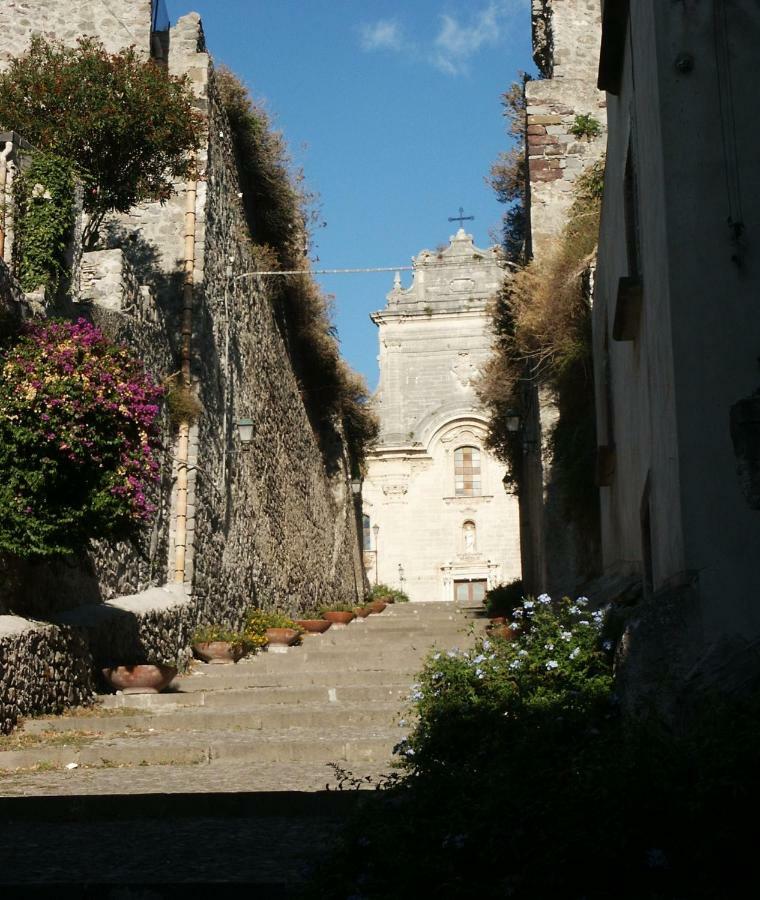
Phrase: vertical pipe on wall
{"type": "Point", "coordinates": [183, 444]}
{"type": "Point", "coordinates": [4, 159]}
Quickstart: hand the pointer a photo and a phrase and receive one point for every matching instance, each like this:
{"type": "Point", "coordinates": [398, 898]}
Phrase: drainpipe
{"type": "Point", "coordinates": [4, 158]}
{"type": "Point", "coordinates": [180, 531]}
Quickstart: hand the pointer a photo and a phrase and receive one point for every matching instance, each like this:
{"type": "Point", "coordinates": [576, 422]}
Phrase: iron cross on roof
{"type": "Point", "coordinates": [461, 217]}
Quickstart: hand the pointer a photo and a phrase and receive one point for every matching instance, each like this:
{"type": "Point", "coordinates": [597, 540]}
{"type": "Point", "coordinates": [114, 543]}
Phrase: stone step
{"type": "Point", "coordinates": [300, 660]}
{"type": "Point", "coordinates": [297, 677]}
{"type": "Point", "coordinates": [264, 717]}
{"type": "Point", "coordinates": [345, 743]}
{"type": "Point", "coordinates": [252, 697]}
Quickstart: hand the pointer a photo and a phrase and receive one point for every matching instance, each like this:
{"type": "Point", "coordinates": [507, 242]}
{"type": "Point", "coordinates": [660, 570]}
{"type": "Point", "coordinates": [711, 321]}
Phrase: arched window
{"type": "Point", "coordinates": [366, 533]}
{"type": "Point", "coordinates": [467, 472]}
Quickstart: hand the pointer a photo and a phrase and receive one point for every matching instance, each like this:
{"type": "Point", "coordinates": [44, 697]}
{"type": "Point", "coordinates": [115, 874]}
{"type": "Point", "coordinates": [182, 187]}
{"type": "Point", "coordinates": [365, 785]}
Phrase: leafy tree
{"type": "Point", "coordinates": [509, 174]}
{"type": "Point", "coordinates": [128, 126]}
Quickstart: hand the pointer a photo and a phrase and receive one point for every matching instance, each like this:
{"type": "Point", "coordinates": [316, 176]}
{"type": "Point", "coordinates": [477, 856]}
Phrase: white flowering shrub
{"type": "Point", "coordinates": [555, 669]}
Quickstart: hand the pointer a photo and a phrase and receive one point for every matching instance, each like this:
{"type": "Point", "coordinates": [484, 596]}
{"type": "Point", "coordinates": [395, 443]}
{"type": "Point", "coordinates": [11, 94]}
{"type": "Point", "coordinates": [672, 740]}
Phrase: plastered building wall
{"type": "Point", "coordinates": [434, 339]}
{"type": "Point", "coordinates": [674, 511]}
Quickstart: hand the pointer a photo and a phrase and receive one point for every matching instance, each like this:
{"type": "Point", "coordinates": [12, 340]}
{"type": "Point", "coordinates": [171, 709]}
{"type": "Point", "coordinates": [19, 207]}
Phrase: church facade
{"type": "Point", "coordinates": [438, 521]}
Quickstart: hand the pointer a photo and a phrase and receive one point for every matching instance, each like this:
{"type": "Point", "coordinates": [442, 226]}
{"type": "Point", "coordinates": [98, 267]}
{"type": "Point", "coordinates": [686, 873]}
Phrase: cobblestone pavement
{"type": "Point", "coordinates": [223, 780]}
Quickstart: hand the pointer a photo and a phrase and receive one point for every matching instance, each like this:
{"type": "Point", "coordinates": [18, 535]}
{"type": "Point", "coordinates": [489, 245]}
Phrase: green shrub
{"type": "Point", "coordinates": [502, 599]}
{"type": "Point", "coordinates": [129, 127]}
{"type": "Point", "coordinates": [383, 591]}
{"type": "Point", "coordinates": [585, 125]}
{"type": "Point", "coordinates": [521, 780]}
{"type": "Point", "coordinates": [43, 197]}
{"type": "Point", "coordinates": [78, 439]}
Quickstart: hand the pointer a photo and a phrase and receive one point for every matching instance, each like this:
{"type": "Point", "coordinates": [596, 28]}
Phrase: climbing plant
{"type": "Point", "coordinates": [44, 215]}
{"type": "Point", "coordinates": [78, 439]}
{"type": "Point", "coordinates": [542, 321]}
{"type": "Point", "coordinates": [127, 124]}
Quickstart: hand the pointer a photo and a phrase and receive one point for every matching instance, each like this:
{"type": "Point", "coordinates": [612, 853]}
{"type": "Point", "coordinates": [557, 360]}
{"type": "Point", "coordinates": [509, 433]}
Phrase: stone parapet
{"type": "Point", "coordinates": [43, 669]}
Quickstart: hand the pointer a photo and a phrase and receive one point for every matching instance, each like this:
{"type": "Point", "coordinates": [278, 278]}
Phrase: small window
{"type": "Point", "coordinates": [467, 472]}
{"type": "Point", "coordinates": [366, 532]}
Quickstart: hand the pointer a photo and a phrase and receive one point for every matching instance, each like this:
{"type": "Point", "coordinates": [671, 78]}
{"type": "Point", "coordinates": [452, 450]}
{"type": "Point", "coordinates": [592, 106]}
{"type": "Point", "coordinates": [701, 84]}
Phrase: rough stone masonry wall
{"type": "Point", "coordinates": [566, 36]}
{"type": "Point", "coordinates": [43, 669]}
{"type": "Point", "coordinates": [117, 23]}
{"type": "Point", "coordinates": [271, 527]}
{"type": "Point", "coordinates": [566, 39]}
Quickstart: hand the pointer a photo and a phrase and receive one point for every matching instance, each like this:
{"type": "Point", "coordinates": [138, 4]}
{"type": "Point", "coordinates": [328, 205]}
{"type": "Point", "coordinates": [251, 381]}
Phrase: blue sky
{"type": "Point", "coordinates": [392, 109]}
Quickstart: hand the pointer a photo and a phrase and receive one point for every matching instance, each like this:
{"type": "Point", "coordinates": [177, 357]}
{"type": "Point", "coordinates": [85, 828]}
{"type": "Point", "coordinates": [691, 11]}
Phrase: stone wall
{"type": "Point", "coordinates": [274, 525]}
{"type": "Point", "coordinates": [43, 669]}
{"type": "Point", "coordinates": [566, 38]}
{"type": "Point", "coordinates": [118, 23]}
{"type": "Point", "coordinates": [271, 526]}
{"type": "Point", "coordinates": [555, 156]}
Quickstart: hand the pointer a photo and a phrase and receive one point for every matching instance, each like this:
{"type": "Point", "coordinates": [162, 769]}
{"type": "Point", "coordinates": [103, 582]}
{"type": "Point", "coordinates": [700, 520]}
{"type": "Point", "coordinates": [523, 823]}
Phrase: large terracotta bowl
{"type": "Point", "coordinates": [377, 606]}
{"type": "Point", "coordinates": [219, 651]}
{"type": "Point", "coordinates": [362, 611]}
{"type": "Point", "coordinates": [314, 626]}
{"type": "Point", "coordinates": [140, 679]}
{"type": "Point", "coordinates": [282, 637]}
{"type": "Point", "coordinates": [339, 617]}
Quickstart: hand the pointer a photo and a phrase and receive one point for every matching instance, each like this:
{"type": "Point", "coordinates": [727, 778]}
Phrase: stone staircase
{"type": "Point", "coordinates": [239, 752]}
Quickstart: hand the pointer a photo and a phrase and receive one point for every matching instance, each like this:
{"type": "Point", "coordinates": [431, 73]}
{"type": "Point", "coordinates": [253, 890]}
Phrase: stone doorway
{"type": "Point", "coordinates": [471, 592]}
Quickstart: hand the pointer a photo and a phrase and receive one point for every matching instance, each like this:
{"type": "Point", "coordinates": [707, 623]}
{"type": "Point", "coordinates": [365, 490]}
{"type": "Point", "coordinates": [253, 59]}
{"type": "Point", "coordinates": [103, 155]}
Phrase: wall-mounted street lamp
{"type": "Point", "coordinates": [245, 432]}
{"type": "Point", "coordinates": [513, 421]}
{"type": "Point", "coordinates": [356, 486]}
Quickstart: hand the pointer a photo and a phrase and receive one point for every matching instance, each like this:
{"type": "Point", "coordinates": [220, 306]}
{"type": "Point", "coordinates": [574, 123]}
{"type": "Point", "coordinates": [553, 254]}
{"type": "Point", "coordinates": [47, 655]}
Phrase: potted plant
{"type": "Point", "coordinates": [340, 614]}
{"type": "Point", "coordinates": [313, 626]}
{"type": "Point", "coordinates": [215, 644]}
{"type": "Point", "coordinates": [140, 678]}
{"type": "Point", "coordinates": [278, 629]}
{"type": "Point", "coordinates": [362, 611]}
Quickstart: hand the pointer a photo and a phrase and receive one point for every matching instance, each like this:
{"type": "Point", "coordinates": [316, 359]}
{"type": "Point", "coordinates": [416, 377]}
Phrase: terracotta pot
{"type": "Point", "coordinates": [385, 598]}
{"type": "Point", "coordinates": [338, 617]}
{"type": "Point", "coordinates": [362, 611]}
{"type": "Point", "coordinates": [314, 626]}
{"type": "Point", "coordinates": [219, 651]}
{"type": "Point", "coordinates": [498, 620]}
{"type": "Point", "coordinates": [377, 606]}
{"type": "Point", "coordinates": [284, 637]}
{"type": "Point", "coordinates": [140, 679]}
{"type": "Point", "coordinates": [502, 631]}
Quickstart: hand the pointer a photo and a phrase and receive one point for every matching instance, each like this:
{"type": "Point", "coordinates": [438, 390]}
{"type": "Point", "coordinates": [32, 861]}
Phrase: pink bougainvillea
{"type": "Point", "coordinates": [78, 439]}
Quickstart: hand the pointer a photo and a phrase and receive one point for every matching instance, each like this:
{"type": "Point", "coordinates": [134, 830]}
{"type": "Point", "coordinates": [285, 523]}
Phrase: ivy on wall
{"type": "Point", "coordinates": [44, 207]}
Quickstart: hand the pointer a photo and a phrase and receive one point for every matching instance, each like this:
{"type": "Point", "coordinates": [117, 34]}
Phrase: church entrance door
{"type": "Point", "coordinates": [470, 593]}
